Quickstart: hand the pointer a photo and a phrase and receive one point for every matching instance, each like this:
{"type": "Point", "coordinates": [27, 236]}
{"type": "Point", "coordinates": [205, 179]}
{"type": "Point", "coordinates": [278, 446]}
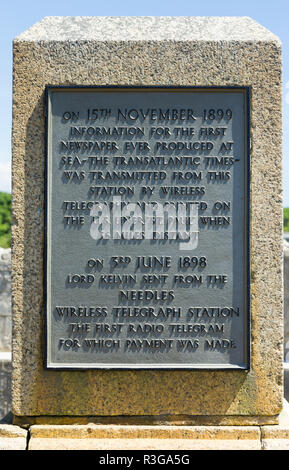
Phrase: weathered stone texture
{"type": "Point", "coordinates": [12, 437]}
{"type": "Point", "coordinates": [148, 51]}
{"type": "Point", "coordinates": [144, 437]}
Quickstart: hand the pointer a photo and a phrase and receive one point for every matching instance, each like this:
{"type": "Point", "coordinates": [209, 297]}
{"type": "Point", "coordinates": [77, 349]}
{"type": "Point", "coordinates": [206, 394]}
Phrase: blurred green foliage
{"type": "Point", "coordinates": [5, 220]}
{"type": "Point", "coordinates": [286, 219]}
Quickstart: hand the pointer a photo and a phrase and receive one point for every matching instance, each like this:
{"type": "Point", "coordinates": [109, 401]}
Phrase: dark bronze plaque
{"type": "Point", "coordinates": [146, 228]}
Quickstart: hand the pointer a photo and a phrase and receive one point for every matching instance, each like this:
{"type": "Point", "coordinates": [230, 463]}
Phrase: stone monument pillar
{"type": "Point", "coordinates": [116, 321]}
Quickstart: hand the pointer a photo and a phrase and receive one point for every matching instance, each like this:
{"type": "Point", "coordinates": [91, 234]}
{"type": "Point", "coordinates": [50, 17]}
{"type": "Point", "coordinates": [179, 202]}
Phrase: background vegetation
{"type": "Point", "coordinates": [5, 220]}
{"type": "Point", "coordinates": [286, 219]}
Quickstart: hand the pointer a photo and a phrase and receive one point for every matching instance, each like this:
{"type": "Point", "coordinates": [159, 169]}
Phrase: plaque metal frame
{"type": "Point", "coordinates": [246, 90]}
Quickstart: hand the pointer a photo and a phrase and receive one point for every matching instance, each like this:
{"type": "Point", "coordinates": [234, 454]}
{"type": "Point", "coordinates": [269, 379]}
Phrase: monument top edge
{"type": "Point", "coordinates": [146, 28]}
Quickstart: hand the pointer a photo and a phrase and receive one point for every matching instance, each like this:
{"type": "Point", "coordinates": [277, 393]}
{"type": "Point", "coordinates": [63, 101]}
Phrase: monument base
{"type": "Point", "coordinates": [110, 437]}
{"type": "Point", "coordinates": [170, 421]}
{"type": "Point", "coordinates": [162, 437]}
{"type": "Point", "coordinates": [146, 437]}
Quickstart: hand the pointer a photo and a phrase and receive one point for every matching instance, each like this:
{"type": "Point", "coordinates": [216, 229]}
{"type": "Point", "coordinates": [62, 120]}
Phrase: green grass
{"type": "Point", "coordinates": [286, 219]}
{"type": "Point", "coordinates": [5, 220]}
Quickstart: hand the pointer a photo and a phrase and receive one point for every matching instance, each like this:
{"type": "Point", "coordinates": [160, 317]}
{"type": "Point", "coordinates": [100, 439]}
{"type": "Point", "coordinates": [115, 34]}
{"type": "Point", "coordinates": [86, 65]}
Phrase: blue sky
{"type": "Point", "coordinates": [17, 16]}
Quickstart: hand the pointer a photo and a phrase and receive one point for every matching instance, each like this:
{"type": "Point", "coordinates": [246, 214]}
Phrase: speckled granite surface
{"type": "Point", "coordinates": [148, 51]}
{"type": "Point", "coordinates": [146, 28]}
